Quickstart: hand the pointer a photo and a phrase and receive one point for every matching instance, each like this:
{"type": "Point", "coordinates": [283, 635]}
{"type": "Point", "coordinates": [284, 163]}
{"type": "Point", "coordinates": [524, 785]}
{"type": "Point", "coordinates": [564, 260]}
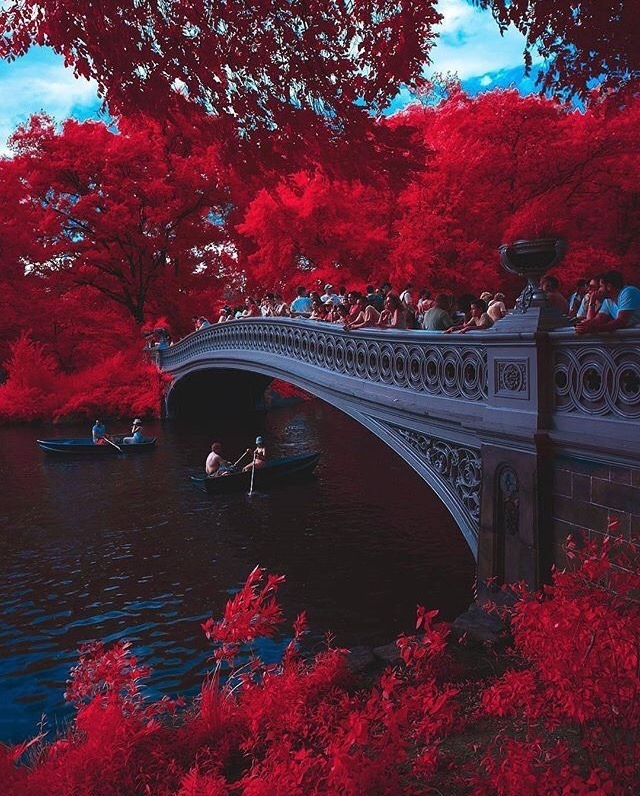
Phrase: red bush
{"type": "Point", "coordinates": [578, 644]}
{"type": "Point", "coordinates": [124, 384]}
{"type": "Point", "coordinates": [33, 385]}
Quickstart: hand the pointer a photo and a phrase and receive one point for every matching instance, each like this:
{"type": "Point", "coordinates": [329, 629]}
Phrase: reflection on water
{"type": "Point", "coordinates": [128, 548]}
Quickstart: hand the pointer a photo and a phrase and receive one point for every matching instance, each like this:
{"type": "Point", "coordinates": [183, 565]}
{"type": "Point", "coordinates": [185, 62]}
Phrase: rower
{"type": "Point", "coordinates": [259, 454]}
{"type": "Point", "coordinates": [215, 465]}
{"type": "Point", "coordinates": [99, 433]}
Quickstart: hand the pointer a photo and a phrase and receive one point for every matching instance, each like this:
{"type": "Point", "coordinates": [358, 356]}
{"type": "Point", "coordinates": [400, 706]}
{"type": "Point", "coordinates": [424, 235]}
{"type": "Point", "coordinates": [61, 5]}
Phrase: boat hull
{"type": "Point", "coordinates": [84, 446]}
{"type": "Point", "coordinates": [273, 472]}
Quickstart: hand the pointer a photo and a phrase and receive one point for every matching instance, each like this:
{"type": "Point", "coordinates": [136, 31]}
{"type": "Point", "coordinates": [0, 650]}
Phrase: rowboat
{"type": "Point", "coordinates": [272, 472]}
{"type": "Point", "coordinates": [85, 445]}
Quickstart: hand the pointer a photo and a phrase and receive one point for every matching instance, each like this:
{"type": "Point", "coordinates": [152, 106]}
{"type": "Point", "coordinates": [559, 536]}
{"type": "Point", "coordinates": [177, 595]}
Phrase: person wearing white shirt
{"type": "Point", "coordinates": [406, 297]}
{"type": "Point", "coordinates": [330, 295]}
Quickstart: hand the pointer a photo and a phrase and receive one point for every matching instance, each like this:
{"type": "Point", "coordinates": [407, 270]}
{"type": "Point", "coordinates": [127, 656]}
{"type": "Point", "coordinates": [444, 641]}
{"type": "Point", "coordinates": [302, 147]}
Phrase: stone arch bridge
{"type": "Point", "coordinates": [526, 436]}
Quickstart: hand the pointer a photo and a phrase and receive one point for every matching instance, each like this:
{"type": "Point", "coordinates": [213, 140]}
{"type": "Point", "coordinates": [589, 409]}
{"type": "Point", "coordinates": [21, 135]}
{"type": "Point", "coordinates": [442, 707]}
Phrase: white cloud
{"type": "Point", "coordinates": [470, 43]}
{"type": "Point", "coordinates": [39, 82]}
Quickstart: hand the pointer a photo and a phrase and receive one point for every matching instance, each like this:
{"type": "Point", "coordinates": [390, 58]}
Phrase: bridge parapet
{"type": "Point", "coordinates": [599, 377]}
{"type": "Point", "coordinates": [453, 367]}
{"type": "Point", "coordinates": [595, 393]}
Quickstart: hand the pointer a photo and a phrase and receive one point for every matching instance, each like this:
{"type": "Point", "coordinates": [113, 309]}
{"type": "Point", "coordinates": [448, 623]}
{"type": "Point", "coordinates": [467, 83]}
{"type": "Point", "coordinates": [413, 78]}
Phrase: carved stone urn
{"type": "Point", "coordinates": [532, 259]}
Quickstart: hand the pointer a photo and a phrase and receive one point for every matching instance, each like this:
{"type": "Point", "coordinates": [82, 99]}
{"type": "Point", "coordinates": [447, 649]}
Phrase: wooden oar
{"type": "Point", "coordinates": [235, 464]}
{"type": "Point", "coordinates": [114, 444]}
{"type": "Point", "coordinates": [253, 470]}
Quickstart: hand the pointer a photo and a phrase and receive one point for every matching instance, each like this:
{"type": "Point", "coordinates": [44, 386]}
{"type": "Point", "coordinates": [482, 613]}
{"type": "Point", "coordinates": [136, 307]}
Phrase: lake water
{"type": "Point", "coordinates": [127, 547]}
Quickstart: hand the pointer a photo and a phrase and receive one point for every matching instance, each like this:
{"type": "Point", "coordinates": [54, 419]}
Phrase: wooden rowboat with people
{"type": "Point", "coordinates": [86, 446]}
{"type": "Point", "coordinates": [271, 473]}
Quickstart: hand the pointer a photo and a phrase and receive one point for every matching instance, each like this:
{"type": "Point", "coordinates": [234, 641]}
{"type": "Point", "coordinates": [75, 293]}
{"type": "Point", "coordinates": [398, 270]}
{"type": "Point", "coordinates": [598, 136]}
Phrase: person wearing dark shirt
{"type": "Point", "coordinates": [374, 298]}
{"type": "Point", "coordinates": [551, 286]}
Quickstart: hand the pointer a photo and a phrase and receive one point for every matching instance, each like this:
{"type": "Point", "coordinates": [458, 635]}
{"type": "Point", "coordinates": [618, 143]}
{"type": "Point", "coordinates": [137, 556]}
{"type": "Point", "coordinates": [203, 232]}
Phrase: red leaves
{"type": "Point", "coordinates": [580, 42]}
{"type": "Point", "coordinates": [250, 614]}
{"type": "Point", "coordinates": [128, 215]}
{"type": "Point", "coordinates": [29, 392]}
{"type": "Point", "coordinates": [112, 674]}
{"type": "Point", "coordinates": [37, 389]}
{"type": "Point", "coordinates": [579, 654]}
{"type": "Point", "coordinates": [287, 76]}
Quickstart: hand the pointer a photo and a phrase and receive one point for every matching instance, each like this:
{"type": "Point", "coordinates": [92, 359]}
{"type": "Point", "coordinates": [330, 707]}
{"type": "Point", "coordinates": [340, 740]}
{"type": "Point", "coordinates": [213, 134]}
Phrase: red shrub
{"type": "Point", "coordinates": [579, 643]}
{"type": "Point", "coordinates": [33, 385]}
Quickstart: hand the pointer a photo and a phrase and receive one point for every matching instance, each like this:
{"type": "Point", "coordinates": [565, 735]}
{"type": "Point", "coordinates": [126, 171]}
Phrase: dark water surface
{"type": "Point", "coordinates": [127, 547]}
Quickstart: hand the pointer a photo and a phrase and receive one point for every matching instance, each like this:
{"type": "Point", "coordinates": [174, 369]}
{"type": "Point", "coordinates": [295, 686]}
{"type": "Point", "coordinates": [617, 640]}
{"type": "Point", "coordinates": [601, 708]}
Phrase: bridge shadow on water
{"type": "Point", "coordinates": [365, 537]}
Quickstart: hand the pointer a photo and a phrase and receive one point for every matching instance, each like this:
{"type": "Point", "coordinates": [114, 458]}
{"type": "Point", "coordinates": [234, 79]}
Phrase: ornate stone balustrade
{"type": "Point", "coordinates": [598, 376]}
{"type": "Point", "coordinates": [418, 361]}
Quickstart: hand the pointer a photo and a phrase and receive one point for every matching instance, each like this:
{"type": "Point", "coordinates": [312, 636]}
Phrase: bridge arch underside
{"type": "Point", "coordinates": [207, 390]}
{"type": "Point", "coordinates": [451, 467]}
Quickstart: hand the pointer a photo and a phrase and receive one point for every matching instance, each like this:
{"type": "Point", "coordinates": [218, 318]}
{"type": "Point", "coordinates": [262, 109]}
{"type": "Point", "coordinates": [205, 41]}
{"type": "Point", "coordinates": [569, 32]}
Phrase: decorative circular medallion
{"type": "Point", "coordinates": [512, 377]}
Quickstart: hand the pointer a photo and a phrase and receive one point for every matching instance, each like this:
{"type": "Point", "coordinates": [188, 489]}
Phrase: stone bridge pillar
{"type": "Point", "coordinates": [560, 445]}
{"type": "Point", "coordinates": [516, 459]}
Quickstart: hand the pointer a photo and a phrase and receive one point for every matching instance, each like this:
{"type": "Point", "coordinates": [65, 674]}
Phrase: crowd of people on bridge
{"type": "Point", "coordinates": [600, 303]}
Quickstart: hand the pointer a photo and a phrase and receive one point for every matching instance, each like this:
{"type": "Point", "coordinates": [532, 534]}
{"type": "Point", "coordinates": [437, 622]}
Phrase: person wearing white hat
{"type": "Point", "coordinates": [136, 433]}
{"type": "Point", "coordinates": [330, 295]}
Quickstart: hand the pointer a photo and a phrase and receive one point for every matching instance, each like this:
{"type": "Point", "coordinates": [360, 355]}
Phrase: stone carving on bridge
{"type": "Point", "coordinates": [512, 378]}
{"type": "Point", "coordinates": [458, 466]}
{"type": "Point", "coordinates": [602, 380]}
{"type": "Point", "coordinates": [508, 520]}
{"type": "Point", "coordinates": [452, 369]}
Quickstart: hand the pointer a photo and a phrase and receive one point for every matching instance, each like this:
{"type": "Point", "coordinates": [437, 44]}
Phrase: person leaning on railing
{"type": "Point", "coordinates": [301, 306]}
{"type": "Point", "coordinates": [393, 316]}
{"type": "Point", "coordinates": [438, 317]}
{"type": "Point", "coordinates": [620, 307]}
{"type": "Point", "coordinates": [479, 319]}
{"type": "Point", "coordinates": [592, 300]}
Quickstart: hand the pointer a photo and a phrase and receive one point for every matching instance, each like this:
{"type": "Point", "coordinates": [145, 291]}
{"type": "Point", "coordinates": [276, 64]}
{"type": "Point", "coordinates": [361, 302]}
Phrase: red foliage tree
{"type": "Point", "coordinates": [122, 384]}
{"type": "Point", "coordinates": [494, 168]}
{"type": "Point", "coordinates": [317, 227]}
{"type": "Point", "coordinates": [129, 214]}
{"type": "Point", "coordinates": [32, 384]}
{"type": "Point", "coordinates": [300, 70]}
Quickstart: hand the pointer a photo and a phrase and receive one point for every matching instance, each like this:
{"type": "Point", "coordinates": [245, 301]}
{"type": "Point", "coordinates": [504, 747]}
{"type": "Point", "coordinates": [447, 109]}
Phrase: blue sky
{"type": "Point", "coordinates": [470, 46]}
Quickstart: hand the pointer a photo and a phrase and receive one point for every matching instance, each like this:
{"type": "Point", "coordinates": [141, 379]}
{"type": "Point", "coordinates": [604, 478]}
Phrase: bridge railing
{"type": "Point", "coordinates": [596, 376]}
{"type": "Point", "coordinates": [434, 364]}
{"type": "Point", "coordinates": [585, 375]}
